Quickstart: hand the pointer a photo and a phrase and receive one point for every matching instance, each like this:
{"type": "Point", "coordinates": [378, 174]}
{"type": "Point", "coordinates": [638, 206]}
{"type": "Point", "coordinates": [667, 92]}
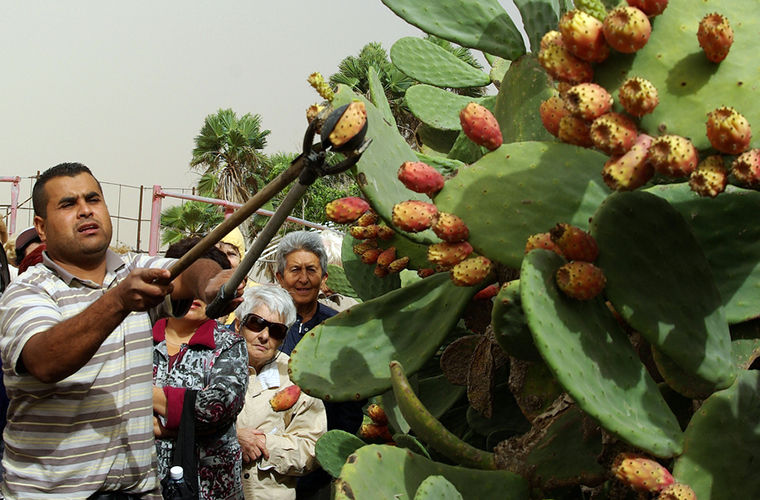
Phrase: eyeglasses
{"type": "Point", "coordinates": [256, 323]}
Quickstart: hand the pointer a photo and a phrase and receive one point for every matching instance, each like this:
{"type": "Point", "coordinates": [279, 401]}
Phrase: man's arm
{"type": "Point", "coordinates": [56, 353]}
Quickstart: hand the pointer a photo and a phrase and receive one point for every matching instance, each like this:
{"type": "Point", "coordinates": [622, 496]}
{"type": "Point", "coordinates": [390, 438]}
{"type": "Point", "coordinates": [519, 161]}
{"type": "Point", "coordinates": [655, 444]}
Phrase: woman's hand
{"type": "Point", "coordinates": [160, 431]}
{"type": "Point", "coordinates": [159, 401]}
{"type": "Point", "coordinates": [254, 444]}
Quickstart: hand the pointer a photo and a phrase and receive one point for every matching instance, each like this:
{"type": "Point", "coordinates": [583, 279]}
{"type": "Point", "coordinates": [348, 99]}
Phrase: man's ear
{"type": "Point", "coordinates": [278, 277]}
{"type": "Point", "coordinates": [39, 225]}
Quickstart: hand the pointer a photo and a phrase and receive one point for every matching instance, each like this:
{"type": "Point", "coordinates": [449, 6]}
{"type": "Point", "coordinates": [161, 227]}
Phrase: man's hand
{"type": "Point", "coordinates": [217, 282]}
{"type": "Point", "coordinates": [143, 289]}
{"type": "Point", "coordinates": [254, 444]}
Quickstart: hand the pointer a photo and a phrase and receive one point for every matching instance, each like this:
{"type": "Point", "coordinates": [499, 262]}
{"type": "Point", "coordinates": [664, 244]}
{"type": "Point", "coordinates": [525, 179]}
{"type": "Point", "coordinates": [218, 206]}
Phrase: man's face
{"type": "Point", "coordinates": [302, 277]}
{"type": "Point", "coordinates": [77, 226]}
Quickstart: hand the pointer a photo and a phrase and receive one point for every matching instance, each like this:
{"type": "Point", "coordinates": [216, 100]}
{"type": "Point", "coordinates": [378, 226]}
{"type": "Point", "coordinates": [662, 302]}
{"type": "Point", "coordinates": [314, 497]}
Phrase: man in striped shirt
{"type": "Point", "coordinates": [75, 340]}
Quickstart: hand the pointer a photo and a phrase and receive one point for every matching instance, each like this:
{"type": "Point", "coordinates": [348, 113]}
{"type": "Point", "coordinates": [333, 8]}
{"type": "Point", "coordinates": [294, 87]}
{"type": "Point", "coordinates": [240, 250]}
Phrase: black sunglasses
{"type": "Point", "coordinates": [256, 323]}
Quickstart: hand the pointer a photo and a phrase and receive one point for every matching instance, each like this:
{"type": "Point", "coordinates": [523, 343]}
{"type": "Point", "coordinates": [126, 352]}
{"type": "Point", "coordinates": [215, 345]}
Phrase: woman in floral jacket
{"type": "Point", "coordinates": [196, 353]}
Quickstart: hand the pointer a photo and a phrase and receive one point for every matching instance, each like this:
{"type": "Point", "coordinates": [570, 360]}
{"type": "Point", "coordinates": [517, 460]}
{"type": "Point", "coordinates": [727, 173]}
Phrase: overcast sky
{"type": "Point", "coordinates": [124, 86]}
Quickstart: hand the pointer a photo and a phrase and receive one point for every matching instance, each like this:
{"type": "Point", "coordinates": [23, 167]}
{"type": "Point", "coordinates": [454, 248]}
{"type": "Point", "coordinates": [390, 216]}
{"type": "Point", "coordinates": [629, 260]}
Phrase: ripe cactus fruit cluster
{"type": "Point", "coordinates": [728, 131]}
{"type": "Point", "coordinates": [641, 473]}
{"type": "Point", "coordinates": [284, 399]}
{"type": "Point", "coordinates": [480, 126]}
{"type": "Point", "coordinates": [346, 210]}
{"type": "Point", "coordinates": [715, 36]}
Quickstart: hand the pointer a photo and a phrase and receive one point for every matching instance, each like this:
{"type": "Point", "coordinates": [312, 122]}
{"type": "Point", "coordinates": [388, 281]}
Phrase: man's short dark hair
{"type": "Point", "coordinates": [177, 250]}
{"type": "Point", "coordinates": [39, 200]}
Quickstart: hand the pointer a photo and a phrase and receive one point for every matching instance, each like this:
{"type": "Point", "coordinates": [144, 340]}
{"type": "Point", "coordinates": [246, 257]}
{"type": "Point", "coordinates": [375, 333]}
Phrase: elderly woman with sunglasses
{"type": "Point", "coordinates": [278, 445]}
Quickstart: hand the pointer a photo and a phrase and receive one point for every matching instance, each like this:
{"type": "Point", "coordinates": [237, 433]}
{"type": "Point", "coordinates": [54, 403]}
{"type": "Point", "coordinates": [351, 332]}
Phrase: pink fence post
{"type": "Point", "coordinates": [155, 220]}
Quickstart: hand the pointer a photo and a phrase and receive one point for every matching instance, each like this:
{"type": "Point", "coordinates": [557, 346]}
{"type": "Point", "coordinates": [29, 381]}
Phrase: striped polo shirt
{"type": "Point", "coordinates": [93, 430]}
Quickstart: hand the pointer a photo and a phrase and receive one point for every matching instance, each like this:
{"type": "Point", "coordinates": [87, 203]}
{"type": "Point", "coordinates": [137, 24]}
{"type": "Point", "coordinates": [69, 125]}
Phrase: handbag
{"type": "Point", "coordinates": [184, 455]}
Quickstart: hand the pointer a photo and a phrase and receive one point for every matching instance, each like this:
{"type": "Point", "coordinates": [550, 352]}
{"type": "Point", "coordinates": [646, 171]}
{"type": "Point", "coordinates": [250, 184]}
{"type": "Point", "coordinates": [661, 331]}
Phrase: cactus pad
{"type": "Point", "coordinates": [659, 280]}
{"type": "Point", "coordinates": [334, 447]}
{"type": "Point", "coordinates": [592, 358]}
{"type": "Point", "coordinates": [439, 108]}
{"type": "Point", "coordinates": [509, 325]}
{"type": "Point", "coordinates": [428, 63]}
{"type": "Point", "coordinates": [436, 488]}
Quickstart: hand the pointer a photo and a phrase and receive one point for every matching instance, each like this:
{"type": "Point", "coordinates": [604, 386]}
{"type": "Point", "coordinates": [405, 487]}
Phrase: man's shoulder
{"type": "Point", "coordinates": [324, 311]}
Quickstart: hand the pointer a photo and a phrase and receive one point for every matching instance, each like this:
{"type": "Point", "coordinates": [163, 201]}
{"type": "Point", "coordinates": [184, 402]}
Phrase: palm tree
{"type": "Point", "coordinates": [193, 218]}
{"type": "Point", "coordinates": [229, 150]}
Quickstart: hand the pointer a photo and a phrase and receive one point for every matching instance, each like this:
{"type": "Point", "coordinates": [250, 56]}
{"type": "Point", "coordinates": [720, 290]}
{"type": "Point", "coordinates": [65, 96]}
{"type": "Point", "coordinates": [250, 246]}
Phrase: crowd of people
{"type": "Point", "coordinates": [107, 363]}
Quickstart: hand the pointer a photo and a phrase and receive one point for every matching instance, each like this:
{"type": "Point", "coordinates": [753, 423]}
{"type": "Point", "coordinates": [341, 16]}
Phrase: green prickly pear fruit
{"type": "Point", "coordinates": [574, 242]}
{"type": "Point", "coordinates": [398, 265]}
{"type": "Point", "coordinates": [344, 129]}
{"type": "Point", "coordinates": [728, 131]}
{"type": "Point", "coordinates": [368, 218]}
{"type": "Point", "coordinates": [627, 29]}
{"type": "Point", "coordinates": [386, 257]}
{"type": "Point", "coordinates": [710, 177]}
{"type": "Point", "coordinates": [377, 414]}
{"type": "Point", "coordinates": [638, 96]}
{"type": "Point", "coordinates": [544, 241]}
{"type": "Point", "coordinates": [630, 170]}
{"type": "Point", "coordinates": [677, 491]}
{"type": "Point", "coordinates": [613, 133]}
{"type": "Point", "coordinates": [673, 155]}
{"type": "Point", "coordinates": [582, 35]}
{"type": "Point", "coordinates": [364, 232]}
{"type": "Point", "coordinates": [746, 168]}
{"type": "Point", "coordinates": [370, 256]}
{"type": "Point", "coordinates": [715, 36]}
{"type": "Point", "coordinates": [365, 245]}
{"type": "Point", "coordinates": [346, 210]}
{"type": "Point", "coordinates": [317, 81]}
{"type": "Point", "coordinates": [574, 130]}
{"type": "Point", "coordinates": [471, 271]}
{"type": "Point", "coordinates": [588, 101]}
{"type": "Point", "coordinates": [450, 228]}
{"type": "Point", "coordinates": [447, 255]}
{"type": "Point", "coordinates": [649, 7]}
{"type": "Point", "coordinates": [285, 398]}
{"type": "Point", "coordinates": [414, 216]}
{"type": "Point", "coordinates": [641, 473]}
{"type": "Point", "coordinates": [480, 126]}
{"type": "Point", "coordinates": [420, 177]}
{"type": "Point", "coordinates": [552, 110]}
{"type": "Point", "coordinates": [580, 280]}
{"type": "Point", "coordinates": [561, 64]}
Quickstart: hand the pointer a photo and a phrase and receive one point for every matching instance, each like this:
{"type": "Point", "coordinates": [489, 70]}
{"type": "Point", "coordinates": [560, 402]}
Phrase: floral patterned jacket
{"type": "Point", "coordinates": [215, 363]}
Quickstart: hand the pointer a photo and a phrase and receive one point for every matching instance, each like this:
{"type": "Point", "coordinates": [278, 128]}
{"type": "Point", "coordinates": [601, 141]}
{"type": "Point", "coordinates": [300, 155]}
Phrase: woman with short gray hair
{"type": "Point", "coordinates": [278, 445]}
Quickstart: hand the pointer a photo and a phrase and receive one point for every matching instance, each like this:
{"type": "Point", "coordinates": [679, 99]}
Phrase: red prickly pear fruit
{"type": "Point", "coordinates": [381, 271]}
{"type": "Point", "coordinates": [574, 130]}
{"type": "Point", "coordinates": [285, 398]}
{"type": "Point", "coordinates": [451, 228]}
{"type": "Point", "coordinates": [715, 36]}
{"type": "Point", "coordinates": [677, 491]}
{"type": "Point", "coordinates": [580, 280]}
{"type": "Point", "coordinates": [630, 170]}
{"type": "Point", "coordinates": [746, 168]}
{"type": "Point", "coordinates": [552, 110]}
{"type": "Point", "coordinates": [487, 293]}
{"type": "Point", "coordinates": [544, 241]}
{"type": "Point", "coordinates": [447, 255]}
{"type": "Point", "coordinates": [420, 177]}
{"type": "Point", "coordinates": [728, 131]}
{"type": "Point", "coordinates": [414, 216]}
{"type": "Point", "coordinates": [368, 218]}
{"type": "Point", "coordinates": [365, 245]}
{"type": "Point", "coordinates": [627, 29]}
{"type": "Point", "coordinates": [552, 37]}
{"type": "Point", "coordinates": [638, 96]}
{"type": "Point", "coordinates": [582, 35]}
{"type": "Point", "coordinates": [649, 7]}
{"type": "Point", "coordinates": [673, 155]}
{"type": "Point", "coordinates": [613, 133]}
{"type": "Point", "coordinates": [710, 177]}
{"type": "Point", "coordinates": [574, 242]}
{"type": "Point", "coordinates": [375, 432]}
{"type": "Point", "coordinates": [425, 272]}
{"type": "Point", "coordinates": [370, 256]}
{"type": "Point", "coordinates": [377, 414]}
{"type": "Point", "coordinates": [346, 210]}
{"type": "Point", "coordinates": [561, 64]}
{"type": "Point", "coordinates": [641, 473]}
{"type": "Point", "coordinates": [471, 271]}
{"type": "Point", "coordinates": [398, 265]}
{"type": "Point", "coordinates": [480, 126]}
{"type": "Point", "coordinates": [385, 232]}
{"type": "Point", "coordinates": [386, 257]}
{"type": "Point", "coordinates": [345, 128]}
{"type": "Point", "coordinates": [364, 232]}
{"type": "Point", "coordinates": [588, 101]}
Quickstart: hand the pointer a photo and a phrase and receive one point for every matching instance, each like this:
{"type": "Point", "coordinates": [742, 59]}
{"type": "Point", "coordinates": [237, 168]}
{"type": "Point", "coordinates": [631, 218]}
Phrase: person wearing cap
{"type": "Point", "coordinates": [76, 345]}
{"type": "Point", "coordinates": [233, 246]}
